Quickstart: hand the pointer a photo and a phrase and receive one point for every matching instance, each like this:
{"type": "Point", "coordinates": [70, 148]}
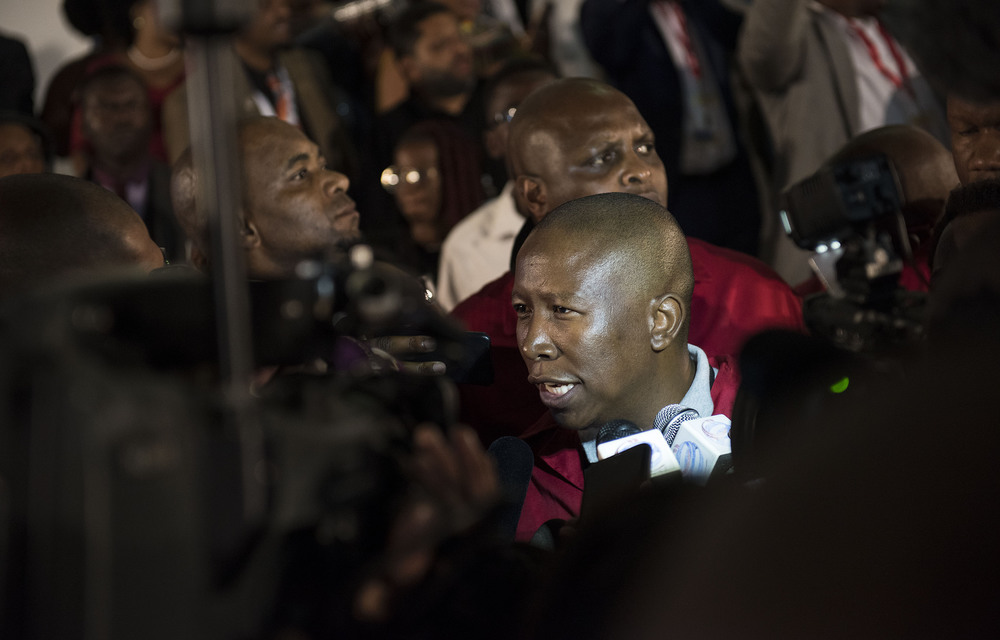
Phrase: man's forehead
{"type": "Point", "coordinates": [565, 249]}
{"type": "Point", "coordinates": [592, 126]}
{"type": "Point", "coordinates": [958, 107]}
{"type": "Point", "coordinates": [276, 144]}
{"type": "Point", "coordinates": [114, 88]}
{"type": "Point", "coordinates": [436, 26]}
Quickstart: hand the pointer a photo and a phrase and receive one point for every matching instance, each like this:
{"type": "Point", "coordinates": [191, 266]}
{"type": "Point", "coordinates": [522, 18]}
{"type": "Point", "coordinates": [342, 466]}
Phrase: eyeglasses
{"type": "Point", "coordinates": [392, 176]}
{"type": "Point", "coordinates": [503, 116]}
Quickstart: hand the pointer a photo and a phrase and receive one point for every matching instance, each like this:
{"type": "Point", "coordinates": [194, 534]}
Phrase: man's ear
{"type": "Point", "coordinates": [249, 233]}
{"type": "Point", "coordinates": [534, 195]}
{"type": "Point", "coordinates": [666, 321]}
{"type": "Point", "coordinates": [409, 68]}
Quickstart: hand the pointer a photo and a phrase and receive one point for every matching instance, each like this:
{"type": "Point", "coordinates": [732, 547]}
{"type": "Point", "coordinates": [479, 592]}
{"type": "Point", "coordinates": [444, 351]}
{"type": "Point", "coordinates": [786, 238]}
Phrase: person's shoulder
{"type": "Point", "coordinates": [468, 227]}
{"type": "Point", "coordinates": [488, 305]}
{"type": "Point", "coordinates": [728, 262]}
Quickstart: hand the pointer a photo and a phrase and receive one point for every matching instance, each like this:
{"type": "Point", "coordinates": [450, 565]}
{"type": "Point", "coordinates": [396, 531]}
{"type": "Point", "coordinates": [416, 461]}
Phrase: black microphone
{"type": "Point", "coordinates": [668, 420]}
{"type": "Point", "coordinates": [514, 464]}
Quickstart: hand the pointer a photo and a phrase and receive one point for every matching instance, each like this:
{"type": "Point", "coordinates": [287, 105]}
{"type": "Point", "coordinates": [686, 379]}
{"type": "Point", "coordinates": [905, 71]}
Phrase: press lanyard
{"type": "Point", "coordinates": [672, 16]}
{"type": "Point", "coordinates": [900, 81]}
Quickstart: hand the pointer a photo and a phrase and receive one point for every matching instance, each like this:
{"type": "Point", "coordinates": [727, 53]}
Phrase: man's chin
{"type": "Point", "coordinates": [450, 86]}
{"type": "Point", "coordinates": [574, 423]}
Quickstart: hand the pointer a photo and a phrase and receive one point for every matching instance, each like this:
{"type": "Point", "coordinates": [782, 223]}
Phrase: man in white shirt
{"type": "Point", "coordinates": [477, 250]}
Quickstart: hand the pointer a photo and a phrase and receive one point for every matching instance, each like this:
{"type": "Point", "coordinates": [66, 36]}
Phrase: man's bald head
{"type": "Point", "coordinates": [602, 291]}
{"type": "Point", "coordinates": [639, 239]}
{"type": "Point", "coordinates": [53, 225]}
{"type": "Point", "coordinates": [577, 137]}
{"type": "Point", "coordinates": [924, 166]}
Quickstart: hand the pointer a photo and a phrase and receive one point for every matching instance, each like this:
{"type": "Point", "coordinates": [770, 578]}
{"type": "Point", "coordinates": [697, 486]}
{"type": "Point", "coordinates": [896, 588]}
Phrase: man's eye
{"type": "Point", "coordinates": [520, 309]}
{"type": "Point", "coordinates": [561, 310]}
{"type": "Point", "coordinates": [603, 159]}
{"type": "Point", "coordinates": [644, 148]}
{"type": "Point", "coordinates": [301, 174]}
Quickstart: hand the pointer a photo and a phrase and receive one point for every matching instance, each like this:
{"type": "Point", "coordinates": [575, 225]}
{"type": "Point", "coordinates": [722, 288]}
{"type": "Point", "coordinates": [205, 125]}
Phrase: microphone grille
{"type": "Point", "coordinates": [616, 429]}
{"type": "Point", "coordinates": [669, 420]}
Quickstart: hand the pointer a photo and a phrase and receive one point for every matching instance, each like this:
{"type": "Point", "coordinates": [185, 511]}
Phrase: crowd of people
{"type": "Point", "coordinates": [756, 216]}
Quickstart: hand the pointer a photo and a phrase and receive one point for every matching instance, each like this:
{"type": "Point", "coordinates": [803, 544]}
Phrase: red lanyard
{"type": "Point", "coordinates": [671, 6]}
{"type": "Point", "coordinates": [900, 81]}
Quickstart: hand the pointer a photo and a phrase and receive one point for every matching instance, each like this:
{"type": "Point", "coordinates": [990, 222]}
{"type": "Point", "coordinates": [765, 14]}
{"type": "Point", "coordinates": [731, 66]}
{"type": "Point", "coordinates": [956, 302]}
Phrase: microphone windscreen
{"type": "Point", "coordinates": [669, 419]}
{"type": "Point", "coordinates": [616, 429]}
{"type": "Point", "coordinates": [514, 464]}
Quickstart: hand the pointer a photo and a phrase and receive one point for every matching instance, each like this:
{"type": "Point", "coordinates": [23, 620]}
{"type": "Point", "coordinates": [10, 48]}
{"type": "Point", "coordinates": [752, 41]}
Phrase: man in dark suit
{"type": "Point", "coordinates": [672, 58]}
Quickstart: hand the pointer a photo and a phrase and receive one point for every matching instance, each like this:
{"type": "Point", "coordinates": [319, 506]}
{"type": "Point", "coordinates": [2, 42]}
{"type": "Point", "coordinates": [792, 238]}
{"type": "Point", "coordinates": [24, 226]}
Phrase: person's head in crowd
{"type": "Point", "coordinates": [107, 23]}
{"type": "Point", "coordinates": [268, 29]}
{"type": "Point", "coordinates": [503, 94]}
{"type": "Point", "coordinates": [25, 146]}
{"type": "Point", "coordinates": [294, 208]}
{"type": "Point", "coordinates": [854, 8]}
{"type": "Point", "coordinates": [140, 24]}
{"type": "Point", "coordinates": [465, 9]}
{"type": "Point", "coordinates": [923, 165]}
{"type": "Point", "coordinates": [306, 14]}
{"type": "Point", "coordinates": [969, 210]}
{"type": "Point", "coordinates": [53, 226]}
{"type": "Point", "coordinates": [975, 138]}
{"type": "Point", "coordinates": [116, 119]}
{"type": "Point", "coordinates": [433, 55]}
{"type": "Point", "coordinates": [602, 292]}
{"type": "Point", "coordinates": [577, 137]}
{"type": "Point", "coordinates": [435, 179]}
{"type": "Point", "coordinates": [963, 310]}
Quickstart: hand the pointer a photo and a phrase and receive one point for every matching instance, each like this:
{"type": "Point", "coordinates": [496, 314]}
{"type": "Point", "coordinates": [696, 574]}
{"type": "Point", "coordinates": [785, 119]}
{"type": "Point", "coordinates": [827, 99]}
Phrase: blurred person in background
{"type": "Point", "coordinates": [117, 125]}
{"type": "Point", "coordinates": [435, 181]}
{"type": "Point", "coordinates": [25, 145]}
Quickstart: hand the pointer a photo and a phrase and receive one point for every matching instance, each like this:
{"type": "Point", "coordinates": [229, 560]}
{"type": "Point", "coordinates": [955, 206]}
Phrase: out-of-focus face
{"type": "Point", "coordinates": [465, 9]}
{"type": "Point", "coordinates": [116, 118]}
{"type": "Point", "coordinates": [20, 150]}
{"type": "Point", "coordinates": [271, 25]}
{"type": "Point", "coordinates": [418, 193]}
{"type": "Point", "coordinates": [147, 10]}
{"type": "Point", "coordinates": [300, 208]}
{"type": "Point", "coordinates": [598, 145]}
{"type": "Point", "coordinates": [975, 139]}
{"type": "Point", "coordinates": [583, 341]}
{"type": "Point", "coordinates": [503, 104]}
{"type": "Point", "coordinates": [441, 62]}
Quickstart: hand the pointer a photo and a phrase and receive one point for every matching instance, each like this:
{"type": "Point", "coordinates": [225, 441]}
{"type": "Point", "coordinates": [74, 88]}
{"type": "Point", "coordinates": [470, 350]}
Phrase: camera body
{"type": "Point", "coordinates": [850, 214]}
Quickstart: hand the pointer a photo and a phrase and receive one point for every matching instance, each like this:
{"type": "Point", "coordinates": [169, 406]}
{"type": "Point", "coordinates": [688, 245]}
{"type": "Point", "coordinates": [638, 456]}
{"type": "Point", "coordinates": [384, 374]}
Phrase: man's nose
{"type": "Point", "coordinates": [988, 149]}
{"type": "Point", "coordinates": [637, 171]}
{"type": "Point", "coordinates": [336, 181]}
{"type": "Point", "coordinates": [536, 343]}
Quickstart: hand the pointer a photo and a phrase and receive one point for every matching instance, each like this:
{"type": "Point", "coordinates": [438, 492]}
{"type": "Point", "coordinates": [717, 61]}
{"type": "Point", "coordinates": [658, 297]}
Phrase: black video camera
{"type": "Point", "coordinates": [850, 214]}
